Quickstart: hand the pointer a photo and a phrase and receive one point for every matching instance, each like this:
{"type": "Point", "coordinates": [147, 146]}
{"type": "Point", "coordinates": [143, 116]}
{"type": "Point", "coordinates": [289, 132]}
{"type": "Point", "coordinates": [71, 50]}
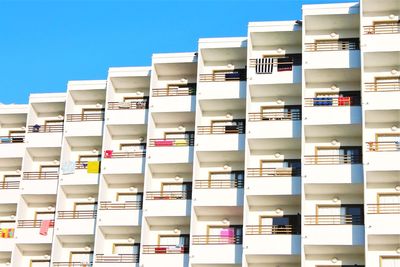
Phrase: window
{"type": "Point", "coordinates": [39, 263]}
{"type": "Point", "coordinates": [176, 187]}
{"type": "Point", "coordinates": [281, 223]}
{"type": "Point", "coordinates": [10, 177]}
{"type": "Point", "coordinates": [125, 248]}
{"type": "Point", "coordinates": [339, 155]}
{"type": "Point", "coordinates": [123, 197]}
{"type": "Point", "coordinates": [86, 111]}
{"type": "Point", "coordinates": [224, 234]}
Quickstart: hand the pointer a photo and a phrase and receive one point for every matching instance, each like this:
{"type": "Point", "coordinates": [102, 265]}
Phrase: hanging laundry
{"type": "Point", "coordinates": [93, 167]}
{"type": "Point", "coordinates": [181, 142]}
{"type": "Point", "coordinates": [108, 154]}
{"type": "Point", "coordinates": [285, 67]}
{"type": "Point", "coordinates": [44, 227]}
{"type": "Point", "coordinates": [68, 167]}
{"type": "Point", "coordinates": [264, 65]}
{"type": "Point", "coordinates": [163, 142]}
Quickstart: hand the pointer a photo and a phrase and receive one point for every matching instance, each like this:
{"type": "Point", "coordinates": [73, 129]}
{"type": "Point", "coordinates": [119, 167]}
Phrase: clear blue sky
{"type": "Point", "coordinates": [43, 44]}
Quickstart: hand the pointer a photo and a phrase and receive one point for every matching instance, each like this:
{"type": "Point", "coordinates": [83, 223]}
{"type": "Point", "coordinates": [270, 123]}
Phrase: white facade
{"type": "Point", "coordinates": [281, 148]}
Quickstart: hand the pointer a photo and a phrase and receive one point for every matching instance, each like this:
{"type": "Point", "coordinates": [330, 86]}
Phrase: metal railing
{"type": "Point", "coordinates": [234, 129]}
{"type": "Point", "coordinates": [272, 230]}
{"type": "Point", "coordinates": [9, 185]}
{"type": "Point", "coordinates": [32, 223]}
{"type": "Point", "coordinates": [383, 146]}
{"type": "Point", "coordinates": [127, 205]}
{"type": "Point", "coordinates": [81, 165]}
{"type": "Point", "coordinates": [57, 128]}
{"type": "Point", "coordinates": [181, 91]}
{"type": "Point", "coordinates": [275, 116]}
{"type": "Point", "coordinates": [143, 104]}
{"type": "Point", "coordinates": [166, 142]}
{"type": "Point", "coordinates": [332, 101]}
{"type": "Point", "coordinates": [384, 208]}
{"type": "Point", "coordinates": [165, 249]}
{"type": "Point", "coordinates": [334, 45]}
{"type": "Point", "coordinates": [78, 214]}
{"type": "Point", "coordinates": [120, 258]}
{"type": "Point", "coordinates": [168, 195]}
{"type": "Point", "coordinates": [85, 117]}
{"type": "Point", "coordinates": [384, 28]}
{"type": "Point", "coordinates": [72, 264]}
{"type": "Point", "coordinates": [216, 240]}
{"type": "Point", "coordinates": [332, 160]}
{"type": "Point", "coordinates": [127, 154]}
{"type": "Point", "coordinates": [382, 87]}
{"type": "Point", "coordinates": [273, 172]}
{"type": "Point", "coordinates": [40, 175]}
{"type": "Point", "coordinates": [12, 139]}
{"type": "Point", "coordinates": [219, 184]}
{"type": "Point", "coordinates": [234, 75]}
{"type": "Point", "coordinates": [334, 219]}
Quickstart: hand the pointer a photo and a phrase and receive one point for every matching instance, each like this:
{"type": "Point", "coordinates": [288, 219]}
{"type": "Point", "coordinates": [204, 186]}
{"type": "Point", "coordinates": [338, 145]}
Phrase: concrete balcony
{"type": "Point", "coordinates": [29, 232]}
{"type": "Point", "coordinates": [124, 163]}
{"type": "Point", "coordinates": [7, 244]}
{"type": "Point", "coordinates": [67, 221]}
{"type": "Point", "coordinates": [221, 90]}
{"type": "Point", "coordinates": [39, 183]}
{"type": "Point", "coordinates": [92, 123]}
{"type": "Point", "coordinates": [174, 203]}
{"type": "Point", "coordinates": [80, 176]}
{"type": "Point", "coordinates": [276, 77]}
{"type": "Point", "coordinates": [12, 147]}
{"type": "Point", "coordinates": [381, 37]}
{"type": "Point", "coordinates": [44, 139]}
{"type": "Point", "coordinates": [170, 256]}
{"type": "Point", "coordinates": [383, 219]}
{"type": "Point", "coordinates": [164, 100]}
{"type": "Point", "coordinates": [116, 213]}
{"type": "Point", "coordinates": [160, 151]}
{"type": "Point", "coordinates": [127, 116]}
{"type": "Point", "coordinates": [381, 96]}
{"type": "Point", "coordinates": [285, 185]}
{"type": "Point", "coordinates": [123, 260]}
{"type": "Point", "coordinates": [9, 191]}
{"type": "Point", "coordinates": [331, 115]}
{"type": "Point", "coordinates": [220, 142]}
{"type": "Point", "coordinates": [382, 156]}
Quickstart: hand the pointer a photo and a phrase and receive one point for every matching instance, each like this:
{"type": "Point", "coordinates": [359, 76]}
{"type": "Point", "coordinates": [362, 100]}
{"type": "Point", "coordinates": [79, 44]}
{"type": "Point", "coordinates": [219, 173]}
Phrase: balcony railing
{"type": "Point", "coordinates": [81, 165]}
{"type": "Point", "coordinates": [168, 195]}
{"type": "Point", "coordinates": [40, 175]}
{"type": "Point", "coordinates": [384, 208]}
{"type": "Point", "coordinates": [272, 230]}
{"type": "Point", "coordinates": [85, 117]}
{"type": "Point", "coordinates": [128, 205]}
{"type": "Point", "coordinates": [32, 223]}
{"type": "Point", "coordinates": [165, 249]}
{"type": "Point", "coordinates": [382, 87]}
{"type": "Point", "coordinates": [383, 146]}
{"type": "Point", "coordinates": [219, 184]}
{"type": "Point", "coordinates": [72, 264]}
{"type": "Point", "coordinates": [234, 75]}
{"type": "Point", "coordinates": [332, 160]}
{"type": "Point", "coordinates": [12, 139]}
{"type": "Point", "coordinates": [216, 240]}
{"type": "Point", "coordinates": [78, 214]}
{"type": "Point", "coordinates": [334, 219]}
{"type": "Point", "coordinates": [275, 116]}
{"type": "Point", "coordinates": [45, 128]}
{"type": "Point", "coordinates": [384, 28]}
{"type": "Point", "coordinates": [334, 45]}
{"type": "Point", "coordinates": [167, 142]}
{"type": "Point", "coordinates": [125, 154]}
{"type": "Point", "coordinates": [143, 104]}
{"type": "Point", "coordinates": [120, 258]}
{"type": "Point", "coordinates": [332, 101]}
{"type": "Point", "coordinates": [273, 172]}
{"type": "Point", "coordinates": [234, 129]}
{"type": "Point", "coordinates": [181, 91]}
{"type": "Point", "coordinates": [9, 185]}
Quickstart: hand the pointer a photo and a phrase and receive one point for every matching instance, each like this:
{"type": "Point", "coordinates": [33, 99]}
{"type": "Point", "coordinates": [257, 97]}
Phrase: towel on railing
{"type": "Point", "coordinates": [17, 139]}
{"type": "Point", "coordinates": [108, 154]}
{"type": "Point", "coordinates": [124, 105]}
{"type": "Point", "coordinates": [5, 140]}
{"type": "Point", "coordinates": [322, 101]}
{"type": "Point", "coordinates": [264, 65]}
{"type": "Point", "coordinates": [284, 67]}
{"type": "Point", "coordinates": [344, 101]}
{"type": "Point", "coordinates": [68, 167]}
{"type": "Point", "coordinates": [160, 250]}
{"type": "Point", "coordinates": [44, 227]}
{"type": "Point", "coordinates": [93, 167]}
{"type": "Point", "coordinates": [164, 143]}
{"type": "Point", "coordinates": [7, 232]}
{"type": "Point", "coordinates": [36, 128]}
{"type": "Point", "coordinates": [228, 235]}
{"type": "Point", "coordinates": [181, 142]}
{"type": "Point", "coordinates": [232, 76]}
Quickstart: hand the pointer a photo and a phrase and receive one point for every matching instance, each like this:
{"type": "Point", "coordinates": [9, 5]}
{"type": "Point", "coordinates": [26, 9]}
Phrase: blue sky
{"type": "Point", "coordinates": [45, 43]}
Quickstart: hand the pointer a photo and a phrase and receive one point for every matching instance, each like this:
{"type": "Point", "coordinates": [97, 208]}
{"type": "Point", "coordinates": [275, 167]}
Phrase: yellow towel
{"type": "Point", "coordinates": [181, 142]}
{"type": "Point", "coordinates": [93, 167]}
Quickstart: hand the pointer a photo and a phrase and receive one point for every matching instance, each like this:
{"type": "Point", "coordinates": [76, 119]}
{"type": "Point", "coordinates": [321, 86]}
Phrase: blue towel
{"type": "Point", "coordinates": [5, 140]}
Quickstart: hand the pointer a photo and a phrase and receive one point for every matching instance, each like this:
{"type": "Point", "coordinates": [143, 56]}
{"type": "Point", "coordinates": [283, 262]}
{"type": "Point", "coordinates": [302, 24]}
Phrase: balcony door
{"type": "Point", "coordinates": [289, 163]}
{"type": "Point", "coordinates": [126, 197]}
{"type": "Point", "coordinates": [225, 179]}
{"type": "Point", "coordinates": [178, 187]}
{"type": "Point", "coordinates": [87, 158]}
{"type": "Point", "coordinates": [132, 147]}
{"type": "Point", "coordinates": [280, 224]}
{"type": "Point", "coordinates": [388, 202]}
{"type": "Point", "coordinates": [173, 240]}
{"type": "Point", "coordinates": [85, 258]}
{"type": "Point", "coordinates": [85, 206]}
{"type": "Point", "coordinates": [387, 137]}
{"type": "Point", "coordinates": [223, 234]}
{"type": "Point", "coordinates": [389, 261]}
{"type": "Point", "coordinates": [339, 214]}
{"type": "Point", "coordinates": [39, 263]}
{"type": "Point", "coordinates": [227, 126]}
{"type": "Point", "coordinates": [126, 248]}
{"type": "Point", "coordinates": [44, 215]}
{"type": "Point", "coordinates": [49, 168]}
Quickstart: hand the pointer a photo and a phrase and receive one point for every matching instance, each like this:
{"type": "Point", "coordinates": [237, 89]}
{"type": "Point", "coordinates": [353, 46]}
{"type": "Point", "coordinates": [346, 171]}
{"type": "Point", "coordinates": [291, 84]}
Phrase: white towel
{"type": "Point", "coordinates": [68, 167]}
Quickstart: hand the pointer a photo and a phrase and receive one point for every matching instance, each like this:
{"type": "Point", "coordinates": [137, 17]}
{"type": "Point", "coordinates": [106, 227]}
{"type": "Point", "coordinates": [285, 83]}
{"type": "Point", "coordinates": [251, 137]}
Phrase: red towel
{"type": "Point", "coordinates": [344, 101]}
{"type": "Point", "coordinates": [44, 227]}
{"type": "Point", "coordinates": [108, 154]}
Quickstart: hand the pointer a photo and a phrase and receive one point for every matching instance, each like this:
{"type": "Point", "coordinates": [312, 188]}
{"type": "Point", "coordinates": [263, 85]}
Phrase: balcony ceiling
{"type": "Point", "coordinates": [329, 251]}
{"type": "Point", "coordinates": [88, 95]}
{"type": "Point", "coordinates": [13, 119]}
{"type": "Point", "coordinates": [277, 201]}
{"type": "Point", "coordinates": [277, 39]}
{"type": "Point", "coordinates": [171, 168]}
{"type": "Point", "coordinates": [42, 249]}
{"type": "Point", "coordinates": [78, 190]}
{"type": "Point", "coordinates": [11, 163]}
{"type": "Point", "coordinates": [173, 117]}
{"type": "Point", "coordinates": [87, 141]}
{"type": "Point", "coordinates": [220, 156]}
{"type": "Point", "coordinates": [331, 23]}
{"type": "Point", "coordinates": [127, 130]}
{"type": "Point", "coordinates": [382, 116]}
{"type": "Point", "coordinates": [382, 59]}
{"type": "Point", "coordinates": [81, 241]}
{"type": "Point", "coordinates": [384, 240]}
{"type": "Point", "coordinates": [121, 230]}
{"type": "Point", "coordinates": [219, 212]}
{"type": "Point", "coordinates": [225, 105]}
{"type": "Point", "coordinates": [331, 190]}
{"type": "Point", "coordinates": [224, 54]}
{"type": "Point", "coordinates": [173, 221]}
{"type": "Point", "coordinates": [8, 209]}
{"type": "Point", "coordinates": [275, 90]}
{"type": "Point", "coordinates": [381, 5]}
{"type": "Point", "coordinates": [176, 69]}
{"type": "Point", "coordinates": [332, 75]}
{"type": "Point", "coordinates": [44, 152]}
{"type": "Point", "coordinates": [51, 107]}
{"type": "Point", "coordinates": [333, 131]}
{"type": "Point", "coordinates": [124, 179]}
{"type": "Point", "coordinates": [274, 144]}
{"type": "Point", "coordinates": [383, 177]}
{"type": "Point", "coordinates": [130, 82]}
{"type": "Point", "coordinates": [39, 199]}
{"type": "Point", "coordinates": [273, 259]}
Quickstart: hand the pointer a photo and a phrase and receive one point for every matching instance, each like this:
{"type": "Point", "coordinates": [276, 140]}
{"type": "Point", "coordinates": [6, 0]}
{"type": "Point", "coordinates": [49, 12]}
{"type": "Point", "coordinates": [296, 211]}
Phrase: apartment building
{"type": "Point", "coordinates": [280, 148]}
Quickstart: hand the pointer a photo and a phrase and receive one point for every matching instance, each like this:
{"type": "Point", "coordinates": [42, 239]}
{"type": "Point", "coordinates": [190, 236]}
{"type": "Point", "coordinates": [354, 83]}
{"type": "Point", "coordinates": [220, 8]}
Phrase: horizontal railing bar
{"type": "Point", "coordinates": [334, 159]}
{"type": "Point", "coordinates": [158, 142]}
{"type": "Point", "coordinates": [40, 175]}
{"type": "Point", "coordinates": [332, 101]}
{"type": "Point", "coordinates": [79, 214]}
{"type": "Point", "coordinates": [141, 104]}
{"type": "Point", "coordinates": [85, 117]}
{"type": "Point", "coordinates": [382, 86]}
{"type": "Point", "coordinates": [219, 184]}
{"type": "Point", "coordinates": [384, 208]}
{"type": "Point", "coordinates": [165, 249]}
{"type": "Point", "coordinates": [178, 91]}
{"type": "Point", "coordinates": [334, 45]}
{"type": "Point", "coordinates": [127, 205]}
{"type": "Point", "coordinates": [120, 258]}
{"type": "Point", "coordinates": [334, 219]}
{"type": "Point", "coordinates": [32, 223]}
{"type": "Point", "coordinates": [273, 116]}
{"type": "Point", "coordinates": [273, 172]}
{"type": "Point", "coordinates": [386, 28]}
{"type": "Point", "coordinates": [168, 195]}
{"type": "Point", "coordinates": [272, 229]}
{"type": "Point", "coordinates": [9, 185]}
{"type": "Point", "coordinates": [216, 240]}
{"type": "Point", "coordinates": [12, 139]}
{"type": "Point", "coordinates": [45, 128]}
{"type": "Point", "coordinates": [387, 146]}
{"type": "Point", "coordinates": [240, 129]}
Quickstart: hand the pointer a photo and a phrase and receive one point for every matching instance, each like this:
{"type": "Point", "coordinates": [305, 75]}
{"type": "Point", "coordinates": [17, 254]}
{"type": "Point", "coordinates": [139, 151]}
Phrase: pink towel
{"type": "Point", "coordinates": [228, 235]}
{"type": "Point", "coordinates": [108, 154]}
{"type": "Point", "coordinates": [44, 227]}
{"type": "Point", "coordinates": [164, 143]}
